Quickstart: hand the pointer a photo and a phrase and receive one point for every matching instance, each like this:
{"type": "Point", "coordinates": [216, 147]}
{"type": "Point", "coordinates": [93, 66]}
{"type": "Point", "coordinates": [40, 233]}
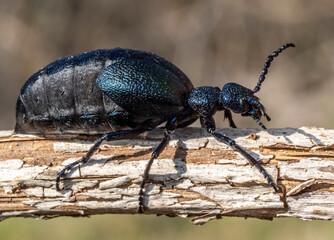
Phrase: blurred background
{"type": "Point", "coordinates": [213, 42]}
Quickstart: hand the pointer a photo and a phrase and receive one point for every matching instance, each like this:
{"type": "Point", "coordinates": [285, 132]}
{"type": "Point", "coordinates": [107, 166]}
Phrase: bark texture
{"type": "Point", "coordinates": [195, 176]}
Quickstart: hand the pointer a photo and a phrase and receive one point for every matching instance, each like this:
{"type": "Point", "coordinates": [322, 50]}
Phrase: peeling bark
{"type": "Point", "coordinates": [195, 176]}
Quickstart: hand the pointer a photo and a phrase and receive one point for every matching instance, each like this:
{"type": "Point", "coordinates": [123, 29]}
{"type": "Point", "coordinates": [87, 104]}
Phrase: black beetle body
{"type": "Point", "coordinates": [126, 92]}
{"type": "Point", "coordinates": [66, 97]}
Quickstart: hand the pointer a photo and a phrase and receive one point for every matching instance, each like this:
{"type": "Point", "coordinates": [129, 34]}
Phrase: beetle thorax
{"type": "Point", "coordinates": [205, 100]}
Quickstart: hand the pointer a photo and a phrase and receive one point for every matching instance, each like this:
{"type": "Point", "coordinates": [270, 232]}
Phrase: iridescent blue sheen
{"type": "Point", "coordinates": [124, 92]}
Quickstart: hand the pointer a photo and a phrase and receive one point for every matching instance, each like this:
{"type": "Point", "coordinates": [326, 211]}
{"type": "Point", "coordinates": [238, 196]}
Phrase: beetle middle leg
{"type": "Point", "coordinates": [154, 155]}
{"type": "Point", "coordinates": [112, 136]}
{"type": "Point", "coordinates": [179, 121]}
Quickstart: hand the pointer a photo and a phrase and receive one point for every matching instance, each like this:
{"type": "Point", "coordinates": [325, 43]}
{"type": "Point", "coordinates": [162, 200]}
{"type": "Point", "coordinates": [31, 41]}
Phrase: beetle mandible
{"type": "Point", "coordinates": [122, 93]}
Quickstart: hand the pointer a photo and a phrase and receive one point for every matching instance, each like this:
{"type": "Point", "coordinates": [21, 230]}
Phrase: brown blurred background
{"type": "Point", "coordinates": [212, 41]}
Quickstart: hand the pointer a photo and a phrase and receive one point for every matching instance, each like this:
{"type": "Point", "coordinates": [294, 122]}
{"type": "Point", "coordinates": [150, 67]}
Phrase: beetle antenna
{"type": "Point", "coordinates": [267, 65]}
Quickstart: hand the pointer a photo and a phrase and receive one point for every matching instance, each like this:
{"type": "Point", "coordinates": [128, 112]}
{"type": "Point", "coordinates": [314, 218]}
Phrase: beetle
{"type": "Point", "coordinates": [122, 93]}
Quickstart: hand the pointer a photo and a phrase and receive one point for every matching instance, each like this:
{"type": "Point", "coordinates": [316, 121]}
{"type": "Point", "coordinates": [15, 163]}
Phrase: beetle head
{"type": "Point", "coordinates": [242, 100]}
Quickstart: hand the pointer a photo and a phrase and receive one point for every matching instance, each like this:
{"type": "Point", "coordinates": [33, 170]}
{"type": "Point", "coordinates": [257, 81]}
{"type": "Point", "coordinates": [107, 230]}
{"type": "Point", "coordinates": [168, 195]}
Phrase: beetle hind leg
{"type": "Point", "coordinates": [112, 136]}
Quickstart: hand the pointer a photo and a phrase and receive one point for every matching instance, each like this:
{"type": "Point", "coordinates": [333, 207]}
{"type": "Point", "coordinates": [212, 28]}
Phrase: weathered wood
{"type": "Point", "coordinates": [196, 176]}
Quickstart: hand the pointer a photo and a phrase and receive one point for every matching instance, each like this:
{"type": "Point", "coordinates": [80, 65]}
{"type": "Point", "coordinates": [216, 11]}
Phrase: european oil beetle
{"type": "Point", "coordinates": [126, 92]}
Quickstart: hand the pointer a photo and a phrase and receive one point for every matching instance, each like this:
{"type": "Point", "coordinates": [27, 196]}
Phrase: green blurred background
{"type": "Point", "coordinates": [213, 42]}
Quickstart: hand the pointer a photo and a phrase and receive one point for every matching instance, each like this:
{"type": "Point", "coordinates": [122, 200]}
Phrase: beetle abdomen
{"type": "Point", "coordinates": [63, 97]}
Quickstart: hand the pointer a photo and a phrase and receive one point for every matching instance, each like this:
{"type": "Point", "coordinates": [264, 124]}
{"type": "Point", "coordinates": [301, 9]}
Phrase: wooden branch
{"type": "Point", "coordinates": [196, 176]}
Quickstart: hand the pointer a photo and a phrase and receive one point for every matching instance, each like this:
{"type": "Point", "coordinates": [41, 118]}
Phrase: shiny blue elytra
{"type": "Point", "coordinates": [122, 93]}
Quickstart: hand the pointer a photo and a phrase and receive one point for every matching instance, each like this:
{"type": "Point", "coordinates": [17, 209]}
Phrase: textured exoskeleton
{"type": "Point", "coordinates": [122, 93]}
{"type": "Point", "coordinates": [101, 91]}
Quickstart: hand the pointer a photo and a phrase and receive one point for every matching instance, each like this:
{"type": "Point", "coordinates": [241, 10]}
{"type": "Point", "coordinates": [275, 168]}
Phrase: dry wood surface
{"type": "Point", "coordinates": [195, 176]}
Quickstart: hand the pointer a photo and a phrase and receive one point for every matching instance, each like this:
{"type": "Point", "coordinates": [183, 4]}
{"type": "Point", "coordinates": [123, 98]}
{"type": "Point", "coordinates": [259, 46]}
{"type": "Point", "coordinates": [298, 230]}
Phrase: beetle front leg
{"type": "Point", "coordinates": [209, 124]}
{"type": "Point", "coordinates": [228, 116]}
